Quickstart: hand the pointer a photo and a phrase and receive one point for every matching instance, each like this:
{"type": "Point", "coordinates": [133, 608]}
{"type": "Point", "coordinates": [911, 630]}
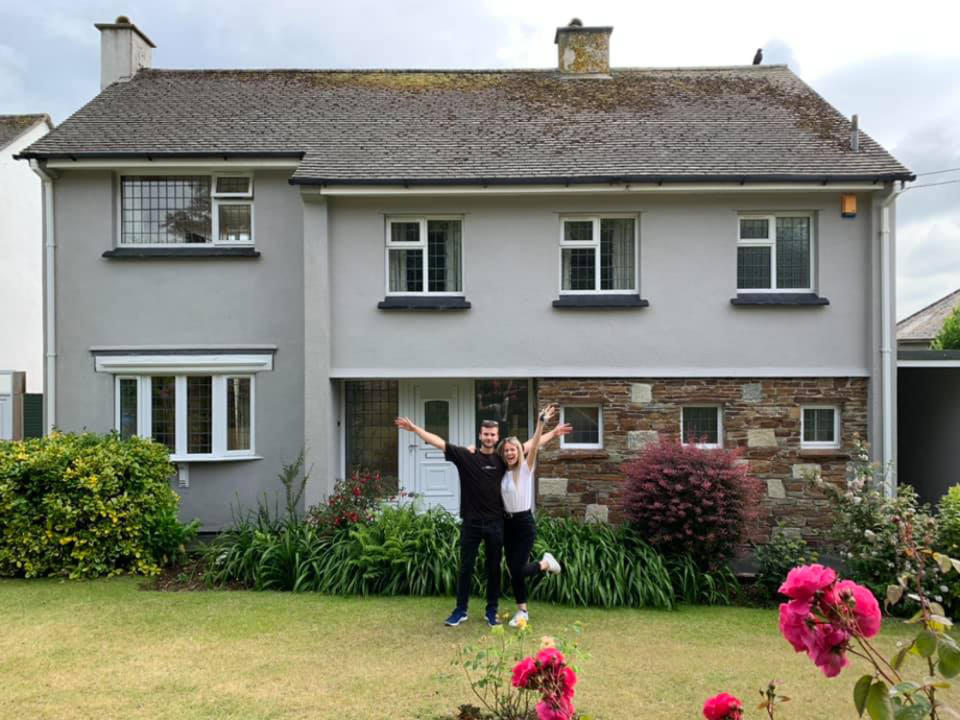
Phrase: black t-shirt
{"type": "Point", "coordinates": [480, 477]}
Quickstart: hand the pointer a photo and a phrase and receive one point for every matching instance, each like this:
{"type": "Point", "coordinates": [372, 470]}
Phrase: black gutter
{"type": "Point", "coordinates": [611, 179]}
{"type": "Point", "coordinates": [296, 154]}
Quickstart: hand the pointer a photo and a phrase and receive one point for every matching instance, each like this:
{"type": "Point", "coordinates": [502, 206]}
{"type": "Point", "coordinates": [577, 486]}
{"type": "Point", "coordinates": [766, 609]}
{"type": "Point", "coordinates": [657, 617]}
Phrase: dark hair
{"type": "Point", "coordinates": [490, 424]}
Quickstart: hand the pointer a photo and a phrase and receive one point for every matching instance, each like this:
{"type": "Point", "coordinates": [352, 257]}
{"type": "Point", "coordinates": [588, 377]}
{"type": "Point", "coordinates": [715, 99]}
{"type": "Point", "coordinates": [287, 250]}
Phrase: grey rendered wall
{"type": "Point", "coordinates": [687, 272]}
{"type": "Point", "coordinates": [929, 422]}
{"type": "Point", "coordinates": [184, 302]}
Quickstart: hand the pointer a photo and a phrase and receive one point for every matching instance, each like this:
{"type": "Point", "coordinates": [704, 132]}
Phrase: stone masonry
{"type": "Point", "coordinates": [761, 419]}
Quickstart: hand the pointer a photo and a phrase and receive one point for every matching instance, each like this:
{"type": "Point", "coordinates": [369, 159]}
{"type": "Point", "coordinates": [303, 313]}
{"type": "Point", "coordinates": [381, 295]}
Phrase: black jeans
{"type": "Point", "coordinates": [472, 532]}
{"type": "Point", "coordinates": [519, 532]}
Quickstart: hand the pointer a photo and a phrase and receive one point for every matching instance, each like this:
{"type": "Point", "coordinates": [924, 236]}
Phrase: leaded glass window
{"type": "Point", "coordinates": [587, 426]}
{"type": "Point", "coordinates": [128, 407]}
{"type": "Point", "coordinates": [199, 415]}
{"type": "Point", "coordinates": [820, 427]}
{"type": "Point", "coordinates": [507, 402]}
{"type": "Point", "coordinates": [424, 255]}
{"type": "Point", "coordinates": [701, 426]}
{"type": "Point", "coordinates": [163, 411]}
{"type": "Point", "coordinates": [371, 439]}
{"type": "Point", "coordinates": [775, 253]}
{"type": "Point", "coordinates": [238, 413]}
{"type": "Point", "coordinates": [599, 255]}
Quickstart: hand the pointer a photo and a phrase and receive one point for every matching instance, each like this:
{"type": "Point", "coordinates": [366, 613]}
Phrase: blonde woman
{"type": "Point", "coordinates": [519, 526]}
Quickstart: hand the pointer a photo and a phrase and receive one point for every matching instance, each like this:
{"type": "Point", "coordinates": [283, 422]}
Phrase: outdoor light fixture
{"type": "Point", "coordinates": [848, 206]}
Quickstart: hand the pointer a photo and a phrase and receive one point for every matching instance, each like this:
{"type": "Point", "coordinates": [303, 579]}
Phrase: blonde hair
{"type": "Point", "coordinates": [513, 440]}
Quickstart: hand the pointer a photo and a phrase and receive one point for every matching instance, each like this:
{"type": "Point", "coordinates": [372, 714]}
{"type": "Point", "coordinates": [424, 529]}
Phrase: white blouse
{"type": "Point", "coordinates": [517, 496]}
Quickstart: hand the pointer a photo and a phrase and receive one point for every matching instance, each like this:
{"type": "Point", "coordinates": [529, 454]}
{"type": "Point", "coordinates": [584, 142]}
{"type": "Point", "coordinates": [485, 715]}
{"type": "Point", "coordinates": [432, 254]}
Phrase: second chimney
{"type": "Point", "coordinates": [124, 49]}
{"type": "Point", "coordinates": [583, 51]}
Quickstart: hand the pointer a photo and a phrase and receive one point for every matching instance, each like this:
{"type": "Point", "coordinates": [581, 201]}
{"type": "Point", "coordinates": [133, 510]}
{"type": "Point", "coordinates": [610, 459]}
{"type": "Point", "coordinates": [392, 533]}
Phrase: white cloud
{"type": "Point", "coordinates": [928, 262]}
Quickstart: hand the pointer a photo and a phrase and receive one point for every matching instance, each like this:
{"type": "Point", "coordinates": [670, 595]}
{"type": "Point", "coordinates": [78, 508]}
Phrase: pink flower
{"type": "Point", "coordinates": [866, 610]}
{"type": "Point", "coordinates": [723, 707]}
{"type": "Point", "coordinates": [828, 649]}
{"type": "Point", "coordinates": [568, 678]}
{"type": "Point", "coordinates": [523, 671]}
{"type": "Point", "coordinates": [795, 626]}
{"type": "Point", "coordinates": [550, 656]}
{"type": "Point", "coordinates": [805, 581]}
{"type": "Point", "coordinates": [554, 709]}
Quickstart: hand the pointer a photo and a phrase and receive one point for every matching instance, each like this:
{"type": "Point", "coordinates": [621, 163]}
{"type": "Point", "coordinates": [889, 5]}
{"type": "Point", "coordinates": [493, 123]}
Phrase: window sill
{"type": "Point", "coordinates": [824, 452]}
{"type": "Point", "coordinates": [207, 459]}
{"type": "Point", "coordinates": [793, 299]}
{"type": "Point", "coordinates": [600, 302]}
{"type": "Point", "coordinates": [568, 454]}
{"type": "Point", "coordinates": [133, 253]}
{"type": "Point", "coordinates": [444, 302]}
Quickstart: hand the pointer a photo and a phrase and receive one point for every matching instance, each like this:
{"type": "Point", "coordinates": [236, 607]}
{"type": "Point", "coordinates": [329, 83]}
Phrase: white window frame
{"type": "Point", "coordinates": [567, 445]}
{"type": "Point", "coordinates": [595, 244]}
{"type": "Point", "coordinates": [836, 428]}
{"type": "Point", "coordinates": [219, 449]}
{"type": "Point", "coordinates": [216, 199]}
{"type": "Point", "coordinates": [423, 220]}
{"type": "Point", "coordinates": [771, 242]}
{"type": "Point", "coordinates": [719, 443]}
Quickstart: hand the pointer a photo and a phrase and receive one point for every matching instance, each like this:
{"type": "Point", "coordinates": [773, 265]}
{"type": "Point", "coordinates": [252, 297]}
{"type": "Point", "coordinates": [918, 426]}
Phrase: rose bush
{"type": "Point", "coordinates": [723, 707]}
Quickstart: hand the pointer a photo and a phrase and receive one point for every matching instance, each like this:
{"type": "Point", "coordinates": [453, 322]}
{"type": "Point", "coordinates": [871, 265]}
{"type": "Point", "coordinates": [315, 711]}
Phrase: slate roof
{"type": "Point", "coordinates": [13, 126]}
{"type": "Point", "coordinates": [924, 324]}
{"type": "Point", "coordinates": [753, 122]}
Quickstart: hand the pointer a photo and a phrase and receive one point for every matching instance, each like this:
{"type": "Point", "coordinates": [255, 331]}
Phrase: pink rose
{"type": "Point", "coordinates": [828, 650]}
{"type": "Point", "coordinates": [554, 709]}
{"type": "Point", "coordinates": [550, 656]}
{"type": "Point", "coordinates": [523, 671]}
{"type": "Point", "coordinates": [866, 609]}
{"type": "Point", "coordinates": [805, 581]}
{"type": "Point", "coordinates": [723, 707]}
{"type": "Point", "coordinates": [796, 627]}
{"type": "Point", "coordinates": [568, 678]}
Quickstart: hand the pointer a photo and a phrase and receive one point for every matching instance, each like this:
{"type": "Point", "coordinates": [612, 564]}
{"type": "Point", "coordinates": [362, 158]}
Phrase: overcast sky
{"type": "Point", "coordinates": [897, 65]}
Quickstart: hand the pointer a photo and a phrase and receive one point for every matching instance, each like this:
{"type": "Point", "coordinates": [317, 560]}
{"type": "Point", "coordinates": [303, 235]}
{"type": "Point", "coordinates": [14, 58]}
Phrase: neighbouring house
{"type": "Point", "coordinates": [21, 250]}
{"type": "Point", "coordinates": [928, 388]}
{"type": "Point", "coordinates": [253, 261]}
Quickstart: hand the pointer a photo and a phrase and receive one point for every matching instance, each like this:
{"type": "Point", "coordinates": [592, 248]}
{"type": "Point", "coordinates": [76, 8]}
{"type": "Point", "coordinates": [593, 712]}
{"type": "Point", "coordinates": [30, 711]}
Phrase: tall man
{"type": "Point", "coordinates": [481, 507]}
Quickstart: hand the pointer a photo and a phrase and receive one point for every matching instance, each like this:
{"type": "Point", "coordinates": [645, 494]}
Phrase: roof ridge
{"type": "Point", "coordinates": [461, 71]}
{"type": "Point", "coordinates": [927, 307]}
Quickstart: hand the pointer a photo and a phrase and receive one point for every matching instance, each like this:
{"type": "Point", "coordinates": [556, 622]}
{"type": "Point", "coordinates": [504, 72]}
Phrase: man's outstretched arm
{"type": "Point", "coordinates": [428, 437]}
{"type": "Point", "coordinates": [562, 429]}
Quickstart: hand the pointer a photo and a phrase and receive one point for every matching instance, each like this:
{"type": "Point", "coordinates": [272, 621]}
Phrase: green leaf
{"type": "Point", "coordinates": [926, 643]}
{"type": "Point", "coordinates": [897, 660]}
{"type": "Point", "coordinates": [878, 702]}
{"type": "Point", "coordinates": [917, 711]}
{"type": "Point", "coordinates": [943, 561]}
{"type": "Point", "coordinates": [949, 664]}
{"type": "Point", "coordinates": [860, 691]}
{"type": "Point", "coordinates": [905, 687]}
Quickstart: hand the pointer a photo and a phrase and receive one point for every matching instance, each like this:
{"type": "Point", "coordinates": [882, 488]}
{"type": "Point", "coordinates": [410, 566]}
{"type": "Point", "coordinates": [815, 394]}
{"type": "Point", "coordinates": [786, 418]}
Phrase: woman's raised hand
{"type": "Point", "coordinates": [548, 412]}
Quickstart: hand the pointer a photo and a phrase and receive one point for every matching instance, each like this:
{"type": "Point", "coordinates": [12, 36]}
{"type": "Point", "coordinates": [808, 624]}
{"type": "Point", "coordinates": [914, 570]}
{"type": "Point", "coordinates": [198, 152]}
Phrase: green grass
{"type": "Point", "coordinates": [105, 649]}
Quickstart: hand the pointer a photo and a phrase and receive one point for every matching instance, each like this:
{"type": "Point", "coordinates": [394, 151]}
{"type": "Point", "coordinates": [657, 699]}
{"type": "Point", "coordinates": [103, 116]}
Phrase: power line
{"type": "Point", "coordinates": [945, 182]}
{"type": "Point", "coordinates": [938, 172]}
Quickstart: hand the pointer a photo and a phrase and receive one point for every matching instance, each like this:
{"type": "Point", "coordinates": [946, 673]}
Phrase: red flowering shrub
{"type": "Point", "coordinates": [689, 500]}
{"type": "Point", "coordinates": [723, 707]}
{"type": "Point", "coordinates": [553, 678]}
{"type": "Point", "coordinates": [353, 500]}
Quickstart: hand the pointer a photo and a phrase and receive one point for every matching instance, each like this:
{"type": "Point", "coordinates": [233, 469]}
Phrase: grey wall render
{"type": "Point", "coordinates": [687, 272]}
{"type": "Point", "coordinates": [190, 302]}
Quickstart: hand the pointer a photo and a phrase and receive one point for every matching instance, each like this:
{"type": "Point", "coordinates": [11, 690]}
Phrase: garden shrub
{"type": "Point", "coordinates": [354, 500]}
{"type": "Point", "coordinates": [948, 543]}
{"type": "Point", "coordinates": [778, 557]}
{"type": "Point", "coordinates": [695, 586]}
{"type": "Point", "coordinates": [949, 336]}
{"type": "Point", "coordinates": [85, 505]}
{"type": "Point", "coordinates": [686, 500]}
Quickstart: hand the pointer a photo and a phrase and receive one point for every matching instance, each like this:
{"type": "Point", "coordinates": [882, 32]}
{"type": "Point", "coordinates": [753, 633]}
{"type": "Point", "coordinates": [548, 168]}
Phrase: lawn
{"type": "Point", "coordinates": [106, 649]}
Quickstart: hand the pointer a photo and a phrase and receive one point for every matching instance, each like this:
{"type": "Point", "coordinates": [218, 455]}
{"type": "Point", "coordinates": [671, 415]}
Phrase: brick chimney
{"type": "Point", "coordinates": [124, 49]}
{"type": "Point", "coordinates": [583, 51]}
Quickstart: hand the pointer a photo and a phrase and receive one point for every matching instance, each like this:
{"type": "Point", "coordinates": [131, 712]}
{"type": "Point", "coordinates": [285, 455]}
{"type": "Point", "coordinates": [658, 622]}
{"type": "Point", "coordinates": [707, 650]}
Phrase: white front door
{"type": "Point", "coordinates": [445, 408]}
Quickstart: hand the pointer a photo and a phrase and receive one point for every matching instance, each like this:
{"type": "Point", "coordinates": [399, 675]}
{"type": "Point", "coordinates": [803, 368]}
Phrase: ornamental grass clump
{"type": "Point", "coordinates": [686, 500]}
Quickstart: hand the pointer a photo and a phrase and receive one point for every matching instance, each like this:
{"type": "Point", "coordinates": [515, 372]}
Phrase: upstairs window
{"type": "Point", "coordinates": [775, 253]}
{"type": "Point", "coordinates": [424, 256]}
{"type": "Point", "coordinates": [186, 210]}
{"type": "Point", "coordinates": [598, 255]}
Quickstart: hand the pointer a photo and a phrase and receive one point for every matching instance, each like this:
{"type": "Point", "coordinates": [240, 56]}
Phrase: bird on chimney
{"type": "Point", "coordinates": [758, 58]}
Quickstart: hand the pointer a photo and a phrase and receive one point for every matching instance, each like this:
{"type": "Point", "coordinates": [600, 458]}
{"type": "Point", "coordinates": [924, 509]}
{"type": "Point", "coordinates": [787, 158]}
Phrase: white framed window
{"type": "Point", "coordinates": [198, 417]}
{"type": "Point", "coordinates": [702, 426]}
{"type": "Point", "coordinates": [599, 254]}
{"type": "Point", "coordinates": [587, 422]}
{"type": "Point", "coordinates": [186, 210]}
{"type": "Point", "coordinates": [819, 427]}
{"type": "Point", "coordinates": [424, 255]}
{"type": "Point", "coordinates": [775, 253]}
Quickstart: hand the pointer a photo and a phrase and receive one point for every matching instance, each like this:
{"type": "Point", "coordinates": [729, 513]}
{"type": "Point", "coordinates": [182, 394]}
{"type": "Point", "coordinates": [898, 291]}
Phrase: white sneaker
{"type": "Point", "coordinates": [553, 567]}
{"type": "Point", "coordinates": [520, 616]}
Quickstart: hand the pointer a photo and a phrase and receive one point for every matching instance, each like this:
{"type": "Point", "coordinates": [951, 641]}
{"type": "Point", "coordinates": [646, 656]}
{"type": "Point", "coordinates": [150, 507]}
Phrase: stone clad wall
{"type": "Point", "coordinates": [761, 417]}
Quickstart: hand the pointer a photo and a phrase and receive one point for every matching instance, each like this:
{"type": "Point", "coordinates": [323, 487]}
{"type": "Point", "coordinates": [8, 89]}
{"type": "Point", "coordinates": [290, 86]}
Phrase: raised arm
{"type": "Point", "coordinates": [428, 437]}
{"type": "Point", "coordinates": [545, 416]}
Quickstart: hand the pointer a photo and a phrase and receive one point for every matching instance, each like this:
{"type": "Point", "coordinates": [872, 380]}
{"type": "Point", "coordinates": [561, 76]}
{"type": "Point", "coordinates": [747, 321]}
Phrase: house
{"type": "Point", "coordinates": [21, 248]}
{"type": "Point", "coordinates": [249, 262]}
{"type": "Point", "coordinates": [928, 385]}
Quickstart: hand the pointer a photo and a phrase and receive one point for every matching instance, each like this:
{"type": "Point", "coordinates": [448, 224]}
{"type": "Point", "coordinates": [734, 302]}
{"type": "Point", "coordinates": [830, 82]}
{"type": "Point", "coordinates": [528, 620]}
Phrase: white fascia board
{"type": "Point", "coordinates": [231, 164]}
{"type": "Point", "coordinates": [928, 363]}
{"type": "Point", "coordinates": [179, 364]}
{"type": "Point", "coordinates": [585, 189]}
{"type": "Point", "coordinates": [595, 372]}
